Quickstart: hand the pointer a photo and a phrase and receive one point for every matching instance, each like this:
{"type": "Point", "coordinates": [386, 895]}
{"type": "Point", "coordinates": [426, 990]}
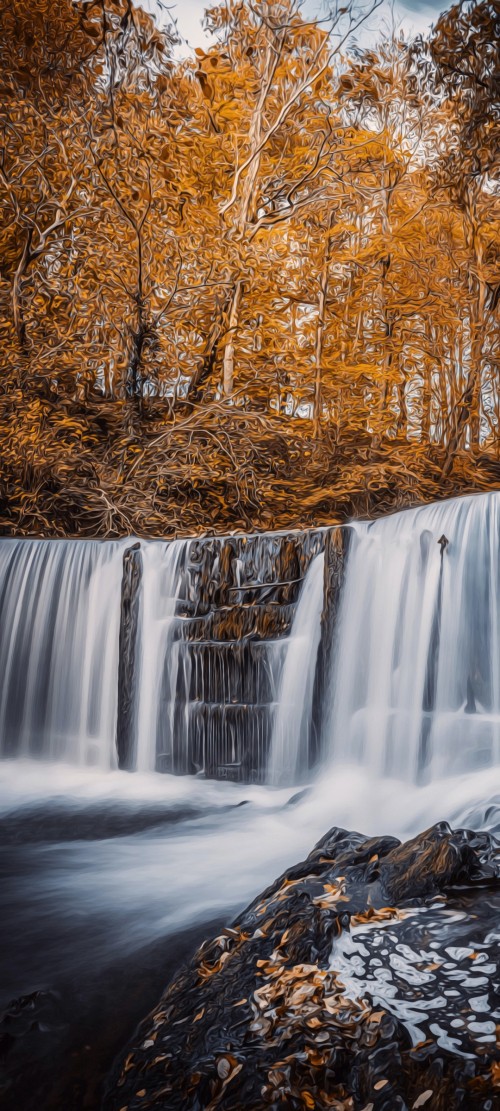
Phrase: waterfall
{"type": "Point", "coordinates": [151, 655]}
{"type": "Point", "coordinates": [416, 680]}
{"type": "Point", "coordinates": [290, 741]}
{"type": "Point", "coordinates": [59, 630]}
{"type": "Point", "coordinates": [239, 657]}
{"type": "Point", "coordinates": [158, 662]}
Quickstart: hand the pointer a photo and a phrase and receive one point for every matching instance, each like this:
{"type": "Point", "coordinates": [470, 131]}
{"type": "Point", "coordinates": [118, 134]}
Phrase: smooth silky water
{"type": "Point", "coordinates": [110, 878]}
{"type": "Point", "coordinates": [416, 689]}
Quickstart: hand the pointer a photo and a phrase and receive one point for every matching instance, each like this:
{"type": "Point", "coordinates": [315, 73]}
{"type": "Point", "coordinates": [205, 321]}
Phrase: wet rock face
{"type": "Point", "coordinates": [237, 604]}
{"type": "Point", "coordinates": [366, 979]}
{"type": "Point", "coordinates": [129, 631]}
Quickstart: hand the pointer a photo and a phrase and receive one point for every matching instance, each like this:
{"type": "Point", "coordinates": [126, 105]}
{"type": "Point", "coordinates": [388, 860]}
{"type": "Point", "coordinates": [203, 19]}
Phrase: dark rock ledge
{"type": "Point", "coordinates": [366, 979]}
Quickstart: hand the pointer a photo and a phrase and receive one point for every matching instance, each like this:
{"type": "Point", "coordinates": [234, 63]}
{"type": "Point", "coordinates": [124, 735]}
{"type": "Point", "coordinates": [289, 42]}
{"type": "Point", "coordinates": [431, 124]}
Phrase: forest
{"type": "Point", "coordinates": [255, 287]}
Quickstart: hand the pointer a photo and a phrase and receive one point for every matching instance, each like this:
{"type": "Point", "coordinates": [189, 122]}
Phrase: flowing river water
{"type": "Point", "coordinates": [110, 878]}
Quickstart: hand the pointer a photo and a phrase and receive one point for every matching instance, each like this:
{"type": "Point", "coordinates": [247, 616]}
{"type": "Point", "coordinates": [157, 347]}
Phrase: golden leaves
{"type": "Point", "coordinates": [130, 216]}
{"type": "Point", "coordinates": [372, 915]}
{"type": "Point", "coordinates": [333, 893]}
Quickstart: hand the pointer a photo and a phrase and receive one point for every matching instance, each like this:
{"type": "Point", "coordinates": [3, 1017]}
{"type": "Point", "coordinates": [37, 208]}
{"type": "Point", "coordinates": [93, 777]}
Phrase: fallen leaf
{"type": "Point", "coordinates": [495, 1074]}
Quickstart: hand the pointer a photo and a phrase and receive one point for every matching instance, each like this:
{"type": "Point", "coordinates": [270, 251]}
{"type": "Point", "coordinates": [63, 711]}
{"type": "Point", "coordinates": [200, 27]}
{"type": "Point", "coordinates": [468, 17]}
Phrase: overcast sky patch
{"type": "Point", "coordinates": [413, 16]}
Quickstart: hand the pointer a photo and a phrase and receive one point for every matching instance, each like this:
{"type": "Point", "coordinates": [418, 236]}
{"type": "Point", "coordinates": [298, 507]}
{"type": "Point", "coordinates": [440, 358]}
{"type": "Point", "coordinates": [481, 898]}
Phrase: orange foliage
{"type": "Point", "coordinates": [255, 287]}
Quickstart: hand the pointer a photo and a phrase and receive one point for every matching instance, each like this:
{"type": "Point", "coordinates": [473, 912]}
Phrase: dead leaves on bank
{"type": "Point", "coordinates": [79, 471]}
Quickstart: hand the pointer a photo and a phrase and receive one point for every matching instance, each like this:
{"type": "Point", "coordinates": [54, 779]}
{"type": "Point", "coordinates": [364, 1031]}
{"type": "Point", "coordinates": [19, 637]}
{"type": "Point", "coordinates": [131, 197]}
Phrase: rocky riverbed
{"type": "Point", "coordinates": [366, 978]}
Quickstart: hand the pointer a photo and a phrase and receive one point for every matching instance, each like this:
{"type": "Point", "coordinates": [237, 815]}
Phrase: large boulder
{"type": "Point", "coordinates": [365, 979]}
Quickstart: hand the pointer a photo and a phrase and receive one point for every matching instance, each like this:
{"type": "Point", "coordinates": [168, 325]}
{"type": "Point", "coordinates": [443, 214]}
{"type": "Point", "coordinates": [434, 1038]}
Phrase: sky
{"type": "Point", "coordinates": [414, 16]}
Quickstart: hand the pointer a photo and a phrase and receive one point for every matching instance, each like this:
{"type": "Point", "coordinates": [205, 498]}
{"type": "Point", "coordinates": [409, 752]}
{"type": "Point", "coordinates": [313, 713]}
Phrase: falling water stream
{"type": "Point", "coordinates": [109, 878]}
{"type": "Point", "coordinates": [416, 686]}
{"type": "Point", "coordinates": [289, 749]}
{"type": "Point", "coordinates": [158, 656]}
{"type": "Point", "coordinates": [59, 626]}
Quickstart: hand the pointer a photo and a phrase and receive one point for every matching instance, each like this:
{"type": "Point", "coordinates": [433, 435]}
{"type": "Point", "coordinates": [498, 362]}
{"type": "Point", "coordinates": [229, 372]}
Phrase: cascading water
{"type": "Point", "coordinates": [290, 742]}
{"type": "Point", "coordinates": [162, 581]}
{"type": "Point", "coordinates": [156, 655]}
{"type": "Point", "coordinates": [416, 684]}
{"type": "Point", "coordinates": [216, 683]}
{"type": "Point", "coordinates": [59, 630]}
{"type": "Point", "coordinates": [208, 650]}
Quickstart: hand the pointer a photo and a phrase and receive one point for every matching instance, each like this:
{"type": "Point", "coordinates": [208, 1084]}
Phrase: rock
{"type": "Point", "coordinates": [364, 977]}
{"type": "Point", "coordinates": [128, 656]}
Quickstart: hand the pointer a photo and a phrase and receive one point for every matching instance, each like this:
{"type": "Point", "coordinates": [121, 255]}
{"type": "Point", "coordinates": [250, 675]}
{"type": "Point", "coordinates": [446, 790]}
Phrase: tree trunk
{"type": "Point", "coordinates": [228, 363]}
{"type": "Point", "coordinates": [427, 387]}
{"type": "Point", "coordinates": [387, 354]}
{"type": "Point", "coordinates": [461, 416]}
{"type": "Point", "coordinates": [402, 422]}
{"type": "Point", "coordinates": [444, 392]}
{"type": "Point", "coordinates": [246, 213]}
{"type": "Point", "coordinates": [205, 372]}
{"type": "Point", "coordinates": [134, 378]}
{"type": "Point", "coordinates": [468, 411]}
{"type": "Point", "coordinates": [318, 355]}
{"type": "Point", "coordinates": [17, 308]}
{"type": "Point", "coordinates": [320, 331]}
{"type": "Point", "coordinates": [477, 343]}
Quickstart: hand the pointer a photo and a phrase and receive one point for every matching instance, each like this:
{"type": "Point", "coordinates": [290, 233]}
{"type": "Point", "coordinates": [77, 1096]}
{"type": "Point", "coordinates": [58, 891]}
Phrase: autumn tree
{"type": "Point", "coordinates": [257, 284]}
{"type": "Point", "coordinates": [464, 52]}
{"type": "Point", "coordinates": [42, 52]}
{"type": "Point", "coordinates": [267, 88]}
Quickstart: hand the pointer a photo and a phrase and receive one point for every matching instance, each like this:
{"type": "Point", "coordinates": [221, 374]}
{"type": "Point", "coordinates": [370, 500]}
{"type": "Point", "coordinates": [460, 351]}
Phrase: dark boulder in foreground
{"type": "Point", "coordinates": [366, 977]}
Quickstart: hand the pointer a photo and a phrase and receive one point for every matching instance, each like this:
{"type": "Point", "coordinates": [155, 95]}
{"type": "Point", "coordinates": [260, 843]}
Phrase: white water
{"type": "Point", "coordinates": [416, 686]}
{"type": "Point", "coordinates": [158, 660]}
{"type": "Point", "coordinates": [77, 899]}
{"type": "Point", "coordinates": [59, 629]}
{"type": "Point", "coordinates": [415, 689]}
{"type": "Point", "coordinates": [59, 636]}
{"type": "Point", "coordinates": [97, 865]}
{"type": "Point", "coordinates": [192, 704]}
{"type": "Point", "coordinates": [289, 747]}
